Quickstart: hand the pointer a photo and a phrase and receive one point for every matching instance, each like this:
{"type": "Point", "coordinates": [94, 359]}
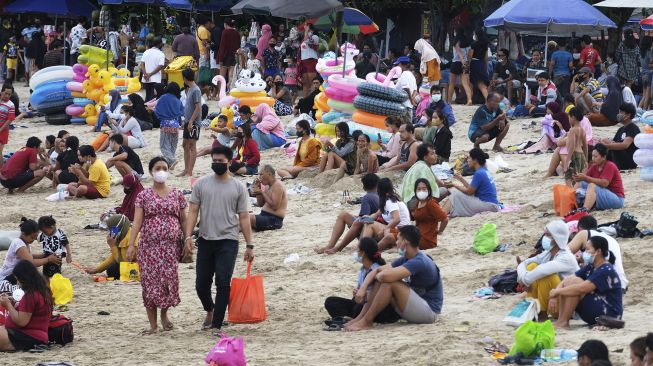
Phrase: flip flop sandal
{"type": "Point", "coordinates": [333, 328]}
{"type": "Point", "coordinates": [605, 322]}
{"type": "Point", "coordinates": [335, 320]}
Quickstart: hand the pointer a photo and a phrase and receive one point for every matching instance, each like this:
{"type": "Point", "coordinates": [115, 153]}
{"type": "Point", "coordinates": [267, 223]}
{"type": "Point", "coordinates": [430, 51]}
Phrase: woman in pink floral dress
{"type": "Point", "coordinates": [159, 212]}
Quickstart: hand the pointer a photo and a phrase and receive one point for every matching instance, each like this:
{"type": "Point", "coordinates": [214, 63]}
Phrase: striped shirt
{"type": "Point", "coordinates": [7, 112]}
{"type": "Point", "coordinates": [594, 89]}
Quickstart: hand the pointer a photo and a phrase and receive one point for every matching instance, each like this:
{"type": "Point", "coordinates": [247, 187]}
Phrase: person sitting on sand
{"type": "Point", "coordinates": [308, 152]}
{"type": "Point", "coordinates": [95, 182]}
{"type": "Point", "coordinates": [27, 320]}
{"type": "Point", "coordinates": [366, 160]}
{"type": "Point", "coordinates": [221, 135]}
{"type": "Point", "coordinates": [544, 272]}
{"type": "Point", "coordinates": [417, 300]}
{"type": "Point", "coordinates": [480, 195]}
{"type": "Point", "coordinates": [19, 249]}
{"type": "Point", "coordinates": [622, 146]}
{"type": "Point", "coordinates": [269, 130]}
{"type": "Point", "coordinates": [586, 91]}
{"type": "Point", "coordinates": [369, 257]}
{"type": "Point", "coordinates": [118, 241]}
{"type": "Point", "coordinates": [273, 201]}
{"type": "Point", "coordinates": [438, 134]}
{"type": "Point", "coordinates": [132, 187]}
{"type": "Point", "coordinates": [66, 160]}
{"type": "Point", "coordinates": [604, 189]}
{"type": "Point", "coordinates": [125, 158]}
{"type": "Point", "coordinates": [576, 145]}
{"type": "Point", "coordinates": [609, 107]}
{"type": "Point", "coordinates": [369, 205]}
{"type": "Point", "coordinates": [488, 123]}
{"type": "Point", "coordinates": [593, 291]}
{"type": "Point", "coordinates": [587, 228]}
{"type": "Point", "coordinates": [592, 353]}
{"type": "Point", "coordinates": [394, 213]}
{"type": "Point", "coordinates": [561, 153]}
{"type": "Point", "coordinates": [429, 217]}
{"type": "Point", "coordinates": [22, 170]}
{"type": "Point", "coordinates": [342, 155]}
{"type": "Point", "coordinates": [53, 240]}
{"type": "Point", "coordinates": [407, 152]}
{"type": "Point", "coordinates": [388, 151]}
{"type": "Point", "coordinates": [426, 157]}
{"type": "Point", "coordinates": [247, 156]}
{"type": "Point", "coordinates": [129, 128]}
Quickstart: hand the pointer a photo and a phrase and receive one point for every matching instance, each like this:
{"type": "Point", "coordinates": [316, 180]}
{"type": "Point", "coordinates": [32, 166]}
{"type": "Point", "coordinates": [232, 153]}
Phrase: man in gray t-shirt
{"type": "Point", "coordinates": [222, 205]}
{"type": "Point", "coordinates": [192, 122]}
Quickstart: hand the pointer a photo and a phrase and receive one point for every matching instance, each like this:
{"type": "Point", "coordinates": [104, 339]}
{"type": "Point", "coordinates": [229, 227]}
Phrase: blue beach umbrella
{"type": "Point", "coordinates": [54, 7]}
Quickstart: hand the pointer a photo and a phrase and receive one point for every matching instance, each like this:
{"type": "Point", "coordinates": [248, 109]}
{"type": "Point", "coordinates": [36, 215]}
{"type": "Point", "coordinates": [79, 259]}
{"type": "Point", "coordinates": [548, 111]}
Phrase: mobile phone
{"type": "Point", "coordinates": [115, 230]}
{"type": "Point", "coordinates": [379, 136]}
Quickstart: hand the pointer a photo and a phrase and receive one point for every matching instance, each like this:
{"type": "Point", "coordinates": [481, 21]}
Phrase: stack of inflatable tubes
{"type": "Point", "coordinates": [380, 100]}
{"type": "Point", "coordinates": [321, 102]}
{"type": "Point", "coordinates": [6, 237]}
{"type": "Point", "coordinates": [644, 155]}
{"type": "Point", "coordinates": [323, 129]}
{"type": "Point", "coordinates": [94, 55]}
{"type": "Point", "coordinates": [328, 67]}
{"type": "Point", "coordinates": [51, 74]}
{"type": "Point", "coordinates": [251, 99]}
{"type": "Point", "coordinates": [335, 117]}
{"type": "Point", "coordinates": [342, 92]}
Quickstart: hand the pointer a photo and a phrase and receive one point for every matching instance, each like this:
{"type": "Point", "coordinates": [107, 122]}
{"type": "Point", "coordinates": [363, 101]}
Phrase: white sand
{"type": "Point", "coordinates": [295, 294]}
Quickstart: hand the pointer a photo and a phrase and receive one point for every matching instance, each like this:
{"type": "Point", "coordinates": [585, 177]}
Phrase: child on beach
{"type": "Point", "coordinates": [576, 146]}
{"type": "Point", "coordinates": [12, 55]}
{"type": "Point", "coordinates": [291, 78]}
{"type": "Point", "coordinates": [54, 241]}
{"type": "Point", "coordinates": [223, 135]}
{"type": "Point", "coordinates": [253, 64]}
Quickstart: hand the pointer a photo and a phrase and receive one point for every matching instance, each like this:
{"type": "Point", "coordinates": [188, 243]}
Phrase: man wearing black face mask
{"type": "Point", "coordinates": [218, 199]}
{"type": "Point", "coordinates": [586, 91]}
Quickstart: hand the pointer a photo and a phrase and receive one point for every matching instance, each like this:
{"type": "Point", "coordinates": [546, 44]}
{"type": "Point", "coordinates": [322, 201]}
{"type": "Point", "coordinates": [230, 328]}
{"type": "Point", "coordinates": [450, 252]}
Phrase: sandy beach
{"type": "Point", "coordinates": [292, 334]}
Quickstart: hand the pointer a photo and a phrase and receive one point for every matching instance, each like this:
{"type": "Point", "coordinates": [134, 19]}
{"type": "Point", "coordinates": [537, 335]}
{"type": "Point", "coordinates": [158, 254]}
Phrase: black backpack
{"type": "Point", "coordinates": [505, 282]}
{"type": "Point", "coordinates": [60, 330]}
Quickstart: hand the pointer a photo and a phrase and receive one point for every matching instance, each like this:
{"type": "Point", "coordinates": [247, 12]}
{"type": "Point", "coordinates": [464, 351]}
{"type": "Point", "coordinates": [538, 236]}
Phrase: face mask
{"type": "Point", "coordinates": [436, 97]}
{"type": "Point", "coordinates": [279, 83]}
{"type": "Point", "coordinates": [422, 195]}
{"type": "Point", "coordinates": [239, 135]}
{"type": "Point", "coordinates": [127, 190]}
{"type": "Point", "coordinates": [219, 168]}
{"type": "Point", "coordinates": [160, 176]}
{"type": "Point", "coordinates": [576, 56]}
{"type": "Point", "coordinates": [402, 252]}
{"type": "Point", "coordinates": [546, 243]}
{"type": "Point", "coordinates": [367, 53]}
{"type": "Point", "coordinates": [300, 133]}
{"type": "Point", "coordinates": [588, 258]}
{"type": "Point", "coordinates": [620, 118]}
{"type": "Point", "coordinates": [358, 258]}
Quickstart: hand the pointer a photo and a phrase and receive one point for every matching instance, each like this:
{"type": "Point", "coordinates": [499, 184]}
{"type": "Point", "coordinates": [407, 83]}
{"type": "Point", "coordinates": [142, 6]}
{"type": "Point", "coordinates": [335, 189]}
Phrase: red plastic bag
{"type": "Point", "coordinates": [564, 199]}
{"type": "Point", "coordinates": [247, 300]}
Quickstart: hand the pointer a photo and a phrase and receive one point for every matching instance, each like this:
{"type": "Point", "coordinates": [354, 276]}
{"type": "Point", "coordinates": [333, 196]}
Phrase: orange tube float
{"type": "Point", "coordinates": [369, 119]}
{"type": "Point", "coordinates": [254, 102]}
{"type": "Point", "coordinates": [321, 102]}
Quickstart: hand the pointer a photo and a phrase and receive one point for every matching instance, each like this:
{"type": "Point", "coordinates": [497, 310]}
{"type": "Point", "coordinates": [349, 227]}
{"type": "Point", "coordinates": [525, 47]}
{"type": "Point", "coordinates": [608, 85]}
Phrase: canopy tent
{"type": "Point", "coordinates": [354, 21]}
{"type": "Point", "coordinates": [626, 4]}
{"type": "Point", "coordinates": [546, 17]}
{"type": "Point", "coordinates": [291, 9]}
{"type": "Point", "coordinates": [54, 7]}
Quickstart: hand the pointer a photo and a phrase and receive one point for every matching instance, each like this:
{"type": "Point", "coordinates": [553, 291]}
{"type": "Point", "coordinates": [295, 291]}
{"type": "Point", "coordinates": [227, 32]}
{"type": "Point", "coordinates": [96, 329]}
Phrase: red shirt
{"type": "Point", "coordinates": [37, 327]}
{"type": "Point", "coordinates": [611, 173]}
{"type": "Point", "coordinates": [249, 153]}
{"type": "Point", "coordinates": [19, 162]}
{"type": "Point", "coordinates": [229, 44]}
{"type": "Point", "coordinates": [588, 57]}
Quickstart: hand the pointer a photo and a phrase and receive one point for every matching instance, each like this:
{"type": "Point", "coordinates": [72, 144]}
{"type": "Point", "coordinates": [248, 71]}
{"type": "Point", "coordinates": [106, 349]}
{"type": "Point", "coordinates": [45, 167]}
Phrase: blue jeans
{"type": "Point", "coordinates": [215, 258]}
{"type": "Point", "coordinates": [605, 198]}
{"type": "Point", "coordinates": [266, 141]}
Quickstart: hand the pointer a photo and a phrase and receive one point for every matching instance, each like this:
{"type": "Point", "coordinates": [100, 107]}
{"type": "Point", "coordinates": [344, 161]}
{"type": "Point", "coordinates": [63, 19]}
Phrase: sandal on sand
{"type": "Point", "coordinates": [333, 327]}
{"type": "Point", "coordinates": [206, 325]}
{"type": "Point", "coordinates": [338, 320]}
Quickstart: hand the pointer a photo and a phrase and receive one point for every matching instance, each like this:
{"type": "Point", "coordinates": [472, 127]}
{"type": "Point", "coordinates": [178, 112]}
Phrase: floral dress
{"type": "Point", "coordinates": [158, 248]}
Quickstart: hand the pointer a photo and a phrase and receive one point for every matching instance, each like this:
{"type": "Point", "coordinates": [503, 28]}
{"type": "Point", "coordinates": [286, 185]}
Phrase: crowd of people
{"type": "Point", "coordinates": [580, 272]}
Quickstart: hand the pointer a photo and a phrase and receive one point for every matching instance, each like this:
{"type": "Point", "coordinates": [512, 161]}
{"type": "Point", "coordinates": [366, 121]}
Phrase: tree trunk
{"type": "Point", "coordinates": [443, 7]}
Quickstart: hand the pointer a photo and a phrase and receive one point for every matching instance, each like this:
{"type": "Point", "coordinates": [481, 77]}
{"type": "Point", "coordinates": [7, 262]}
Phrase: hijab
{"type": "Point", "coordinates": [559, 115]}
{"type": "Point", "coordinates": [263, 42]}
{"type": "Point", "coordinates": [611, 104]}
{"type": "Point", "coordinates": [115, 100]}
{"type": "Point", "coordinates": [169, 107]}
{"type": "Point", "coordinates": [428, 53]}
{"type": "Point", "coordinates": [269, 122]}
{"type": "Point", "coordinates": [140, 112]}
{"type": "Point", "coordinates": [132, 187]}
{"type": "Point", "coordinates": [123, 224]}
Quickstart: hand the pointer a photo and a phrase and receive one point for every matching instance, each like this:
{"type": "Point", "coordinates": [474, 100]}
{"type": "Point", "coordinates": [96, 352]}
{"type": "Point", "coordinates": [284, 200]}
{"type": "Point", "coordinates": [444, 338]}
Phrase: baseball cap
{"type": "Point", "coordinates": [402, 59]}
{"type": "Point", "coordinates": [584, 70]}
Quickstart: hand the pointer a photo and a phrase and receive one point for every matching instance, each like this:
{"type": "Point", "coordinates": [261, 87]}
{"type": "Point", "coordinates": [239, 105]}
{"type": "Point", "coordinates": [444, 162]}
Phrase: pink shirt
{"type": "Point", "coordinates": [291, 75]}
{"type": "Point", "coordinates": [393, 146]}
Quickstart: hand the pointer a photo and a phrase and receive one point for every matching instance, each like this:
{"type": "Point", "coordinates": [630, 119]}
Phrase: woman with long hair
{"type": "Point", "coordinates": [478, 56]}
{"type": "Point", "coordinates": [343, 153]}
{"type": "Point", "coordinates": [308, 152]}
{"type": "Point", "coordinates": [393, 213]}
{"type": "Point", "coordinates": [247, 157]}
{"type": "Point", "coordinates": [26, 325]}
{"type": "Point", "coordinates": [627, 57]}
{"type": "Point", "coordinates": [429, 217]}
{"type": "Point", "coordinates": [460, 65]}
{"type": "Point", "coordinates": [65, 160]}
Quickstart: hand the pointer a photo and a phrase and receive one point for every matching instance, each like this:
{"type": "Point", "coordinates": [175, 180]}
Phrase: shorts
{"type": "Point", "coordinates": [268, 221]}
{"type": "Point", "coordinates": [133, 142]}
{"type": "Point", "coordinates": [92, 193]}
{"type": "Point", "coordinates": [21, 341]}
{"type": "Point", "coordinates": [4, 136]}
{"type": "Point", "coordinates": [591, 307]}
{"type": "Point", "coordinates": [456, 68]}
{"type": "Point", "coordinates": [12, 63]}
{"type": "Point", "coordinates": [229, 61]}
{"type": "Point", "coordinates": [18, 181]}
{"type": "Point", "coordinates": [307, 66]}
{"type": "Point", "coordinates": [494, 132]}
{"type": "Point", "coordinates": [236, 165]}
{"type": "Point", "coordinates": [214, 64]}
{"type": "Point", "coordinates": [417, 310]}
{"type": "Point", "coordinates": [605, 198]}
{"type": "Point", "coordinates": [194, 134]}
{"type": "Point", "coordinates": [577, 164]}
{"type": "Point", "coordinates": [50, 269]}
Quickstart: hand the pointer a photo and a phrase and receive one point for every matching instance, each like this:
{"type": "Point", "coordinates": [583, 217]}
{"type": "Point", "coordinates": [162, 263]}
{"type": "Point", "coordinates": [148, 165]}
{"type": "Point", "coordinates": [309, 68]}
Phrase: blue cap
{"type": "Point", "coordinates": [402, 59]}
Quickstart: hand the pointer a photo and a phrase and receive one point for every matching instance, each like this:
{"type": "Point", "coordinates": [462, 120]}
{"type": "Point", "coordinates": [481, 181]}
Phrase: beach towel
{"type": "Point", "coordinates": [543, 145]}
{"type": "Point", "coordinates": [419, 170]}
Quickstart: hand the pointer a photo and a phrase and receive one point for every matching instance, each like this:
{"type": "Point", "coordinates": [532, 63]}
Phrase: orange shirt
{"type": "Point", "coordinates": [427, 219]}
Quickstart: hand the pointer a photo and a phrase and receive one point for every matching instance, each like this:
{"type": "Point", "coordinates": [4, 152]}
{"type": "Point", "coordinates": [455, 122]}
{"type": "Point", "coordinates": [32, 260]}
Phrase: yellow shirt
{"type": "Point", "coordinates": [203, 34]}
{"type": "Point", "coordinates": [118, 253]}
{"type": "Point", "coordinates": [98, 174]}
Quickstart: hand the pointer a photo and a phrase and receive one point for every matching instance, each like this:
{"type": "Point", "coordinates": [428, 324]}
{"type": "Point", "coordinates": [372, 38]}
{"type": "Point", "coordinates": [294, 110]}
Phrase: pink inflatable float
{"type": "Point", "coordinates": [381, 79]}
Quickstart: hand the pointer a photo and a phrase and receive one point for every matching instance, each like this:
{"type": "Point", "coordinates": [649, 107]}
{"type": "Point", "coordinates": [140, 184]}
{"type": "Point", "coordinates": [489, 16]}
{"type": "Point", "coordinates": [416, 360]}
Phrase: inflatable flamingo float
{"type": "Point", "coordinates": [225, 100]}
{"type": "Point", "coordinates": [329, 66]}
{"type": "Point", "coordinates": [384, 80]}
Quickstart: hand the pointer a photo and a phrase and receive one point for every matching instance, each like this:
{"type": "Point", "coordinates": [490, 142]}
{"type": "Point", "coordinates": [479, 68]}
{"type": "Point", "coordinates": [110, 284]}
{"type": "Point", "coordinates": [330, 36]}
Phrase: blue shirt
{"type": "Point", "coordinates": [482, 117]}
{"type": "Point", "coordinates": [363, 273]}
{"type": "Point", "coordinates": [369, 204]}
{"type": "Point", "coordinates": [424, 279]}
{"type": "Point", "coordinates": [561, 61]}
{"type": "Point", "coordinates": [608, 287]}
{"type": "Point", "coordinates": [483, 183]}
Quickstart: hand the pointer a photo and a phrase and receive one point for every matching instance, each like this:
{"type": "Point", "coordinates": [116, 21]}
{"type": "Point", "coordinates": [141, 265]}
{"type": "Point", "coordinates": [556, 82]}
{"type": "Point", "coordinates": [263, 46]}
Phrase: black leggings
{"type": "Point", "coordinates": [339, 306]}
{"type": "Point", "coordinates": [151, 88]}
{"type": "Point", "coordinates": [215, 258]}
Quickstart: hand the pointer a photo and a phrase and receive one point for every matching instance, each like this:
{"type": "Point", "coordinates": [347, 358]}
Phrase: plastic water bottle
{"type": "Point", "coordinates": [558, 355]}
{"type": "Point", "coordinates": [62, 192]}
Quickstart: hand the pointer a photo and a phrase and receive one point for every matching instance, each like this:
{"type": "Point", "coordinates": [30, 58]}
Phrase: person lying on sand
{"type": "Point", "coordinates": [419, 301]}
{"type": "Point", "coordinates": [369, 205]}
{"type": "Point", "coordinates": [273, 200]}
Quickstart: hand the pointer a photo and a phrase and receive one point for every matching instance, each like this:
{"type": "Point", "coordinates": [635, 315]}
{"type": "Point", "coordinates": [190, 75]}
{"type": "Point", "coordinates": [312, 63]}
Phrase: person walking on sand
{"type": "Point", "coordinates": [192, 122]}
{"type": "Point", "coordinates": [222, 204]}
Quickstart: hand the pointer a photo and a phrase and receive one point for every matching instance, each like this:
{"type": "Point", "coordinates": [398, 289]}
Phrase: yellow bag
{"type": "Point", "coordinates": [129, 272]}
{"type": "Point", "coordinates": [62, 289]}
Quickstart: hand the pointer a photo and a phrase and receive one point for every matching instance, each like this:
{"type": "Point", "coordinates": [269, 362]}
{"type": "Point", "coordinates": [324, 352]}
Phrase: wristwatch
{"type": "Point", "coordinates": [249, 246]}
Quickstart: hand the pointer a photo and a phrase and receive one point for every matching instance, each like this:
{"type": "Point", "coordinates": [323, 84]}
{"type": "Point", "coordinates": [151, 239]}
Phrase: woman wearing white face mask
{"type": "Point", "coordinates": [159, 217]}
{"type": "Point", "coordinates": [429, 217]}
{"type": "Point", "coordinates": [543, 272]}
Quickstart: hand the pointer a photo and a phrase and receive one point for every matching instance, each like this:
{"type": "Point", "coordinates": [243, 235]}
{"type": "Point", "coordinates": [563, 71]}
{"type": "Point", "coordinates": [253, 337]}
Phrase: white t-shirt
{"type": "Point", "coordinates": [11, 260]}
{"type": "Point", "coordinates": [53, 157]}
{"type": "Point", "coordinates": [407, 81]}
{"type": "Point", "coordinates": [254, 66]}
{"type": "Point", "coordinates": [152, 58]}
{"type": "Point", "coordinates": [614, 247]}
{"type": "Point", "coordinates": [404, 214]}
{"type": "Point", "coordinates": [307, 50]}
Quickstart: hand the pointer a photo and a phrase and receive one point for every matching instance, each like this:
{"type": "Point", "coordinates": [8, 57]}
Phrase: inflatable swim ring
{"type": "Point", "coordinates": [382, 92]}
{"type": "Point", "coordinates": [643, 157]}
{"type": "Point", "coordinates": [82, 101]}
{"type": "Point", "coordinates": [249, 82]}
{"type": "Point", "coordinates": [341, 106]}
{"type": "Point", "coordinates": [52, 73]}
{"type": "Point", "coordinates": [644, 141]}
{"type": "Point", "coordinates": [646, 174]}
{"type": "Point", "coordinates": [371, 132]}
{"type": "Point", "coordinates": [78, 120]}
{"type": "Point", "coordinates": [57, 119]}
{"type": "Point", "coordinates": [384, 80]}
{"type": "Point", "coordinates": [648, 129]}
{"type": "Point", "coordinates": [241, 94]}
{"type": "Point", "coordinates": [256, 101]}
{"type": "Point", "coordinates": [77, 95]}
{"type": "Point", "coordinates": [323, 129]}
{"type": "Point", "coordinates": [379, 106]}
{"type": "Point", "coordinates": [54, 107]}
{"type": "Point", "coordinates": [50, 92]}
{"type": "Point", "coordinates": [369, 119]}
{"type": "Point", "coordinates": [74, 110]}
{"type": "Point", "coordinates": [74, 86]}
{"type": "Point", "coordinates": [346, 84]}
{"type": "Point", "coordinates": [320, 102]}
{"type": "Point", "coordinates": [6, 237]}
{"type": "Point", "coordinates": [340, 95]}
{"type": "Point", "coordinates": [334, 117]}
